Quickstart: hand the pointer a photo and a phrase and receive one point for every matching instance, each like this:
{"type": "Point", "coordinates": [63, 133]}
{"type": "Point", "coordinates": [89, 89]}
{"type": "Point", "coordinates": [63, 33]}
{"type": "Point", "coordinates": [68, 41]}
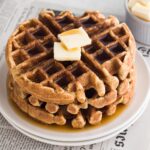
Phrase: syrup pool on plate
{"type": "Point", "coordinates": [67, 128]}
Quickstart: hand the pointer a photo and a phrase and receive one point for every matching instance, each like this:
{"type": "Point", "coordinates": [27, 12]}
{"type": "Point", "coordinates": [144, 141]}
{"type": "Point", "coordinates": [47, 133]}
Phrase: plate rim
{"type": "Point", "coordinates": [113, 129]}
{"type": "Point", "coordinates": [87, 142]}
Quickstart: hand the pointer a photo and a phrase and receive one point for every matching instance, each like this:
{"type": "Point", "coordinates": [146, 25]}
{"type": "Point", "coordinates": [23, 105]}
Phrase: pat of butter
{"type": "Point", "coordinates": [146, 3]}
{"type": "Point", "coordinates": [75, 38]}
{"type": "Point", "coordinates": [141, 11]}
{"type": "Point", "coordinates": [63, 54]}
{"type": "Point", "coordinates": [131, 3]}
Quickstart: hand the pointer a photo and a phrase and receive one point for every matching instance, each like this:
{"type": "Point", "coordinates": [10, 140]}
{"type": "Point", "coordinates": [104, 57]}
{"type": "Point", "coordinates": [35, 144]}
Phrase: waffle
{"type": "Point", "coordinates": [50, 113]}
{"type": "Point", "coordinates": [97, 81]}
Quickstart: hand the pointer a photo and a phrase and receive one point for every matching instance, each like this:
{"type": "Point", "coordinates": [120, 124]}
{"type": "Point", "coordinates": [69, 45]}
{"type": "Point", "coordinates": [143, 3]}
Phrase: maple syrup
{"type": "Point", "coordinates": [66, 128]}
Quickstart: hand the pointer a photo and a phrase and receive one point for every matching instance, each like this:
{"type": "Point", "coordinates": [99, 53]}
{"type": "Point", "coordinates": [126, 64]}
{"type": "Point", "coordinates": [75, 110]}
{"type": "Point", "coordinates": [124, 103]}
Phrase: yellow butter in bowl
{"type": "Point", "coordinates": [141, 11]}
{"type": "Point", "coordinates": [131, 3]}
{"type": "Point", "coordinates": [146, 3]}
{"type": "Point", "coordinates": [140, 8]}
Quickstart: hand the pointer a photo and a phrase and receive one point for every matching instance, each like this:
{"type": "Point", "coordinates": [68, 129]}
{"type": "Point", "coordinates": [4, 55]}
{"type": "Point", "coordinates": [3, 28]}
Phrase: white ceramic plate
{"type": "Point", "coordinates": [78, 143]}
{"type": "Point", "coordinates": [140, 97]}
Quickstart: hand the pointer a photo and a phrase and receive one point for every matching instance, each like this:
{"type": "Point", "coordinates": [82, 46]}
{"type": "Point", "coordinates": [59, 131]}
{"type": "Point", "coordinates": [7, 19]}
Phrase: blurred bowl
{"type": "Point", "coordinates": [139, 27]}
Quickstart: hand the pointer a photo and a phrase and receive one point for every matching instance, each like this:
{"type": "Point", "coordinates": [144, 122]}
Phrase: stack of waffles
{"type": "Point", "coordinates": [71, 92]}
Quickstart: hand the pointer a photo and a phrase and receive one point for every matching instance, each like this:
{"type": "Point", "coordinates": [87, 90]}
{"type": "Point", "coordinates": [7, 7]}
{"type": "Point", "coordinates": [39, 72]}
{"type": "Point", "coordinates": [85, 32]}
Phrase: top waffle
{"type": "Point", "coordinates": [104, 65]}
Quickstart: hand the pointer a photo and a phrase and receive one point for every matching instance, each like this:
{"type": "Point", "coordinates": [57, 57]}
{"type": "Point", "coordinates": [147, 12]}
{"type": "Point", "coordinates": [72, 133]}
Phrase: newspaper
{"type": "Point", "coordinates": [136, 137]}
